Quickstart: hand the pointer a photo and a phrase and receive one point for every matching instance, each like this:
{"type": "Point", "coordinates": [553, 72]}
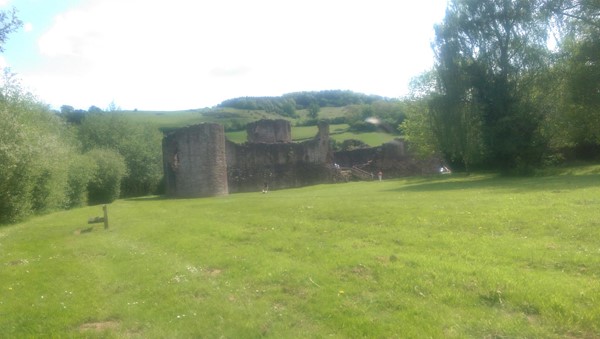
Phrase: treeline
{"type": "Point", "coordinates": [499, 97]}
{"type": "Point", "coordinates": [48, 163]}
{"type": "Point", "coordinates": [287, 104]}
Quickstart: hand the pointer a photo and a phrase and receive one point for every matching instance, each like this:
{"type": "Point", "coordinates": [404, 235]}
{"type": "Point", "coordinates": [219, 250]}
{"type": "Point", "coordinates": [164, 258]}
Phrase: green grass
{"type": "Point", "coordinates": [176, 119]}
{"type": "Point", "coordinates": [372, 139]}
{"type": "Point", "coordinates": [337, 132]}
{"type": "Point", "coordinates": [451, 256]}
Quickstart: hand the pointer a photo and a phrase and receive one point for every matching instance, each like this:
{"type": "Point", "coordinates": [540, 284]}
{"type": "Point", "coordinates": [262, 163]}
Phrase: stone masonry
{"type": "Point", "coordinates": [194, 161]}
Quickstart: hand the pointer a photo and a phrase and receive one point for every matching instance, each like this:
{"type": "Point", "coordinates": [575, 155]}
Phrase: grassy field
{"type": "Point", "coordinates": [176, 119]}
{"type": "Point", "coordinates": [337, 132]}
{"type": "Point", "coordinates": [228, 116]}
{"type": "Point", "coordinates": [450, 256]}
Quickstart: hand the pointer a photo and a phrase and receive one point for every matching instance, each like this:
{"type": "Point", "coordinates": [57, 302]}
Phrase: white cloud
{"type": "Point", "coordinates": [186, 54]}
{"type": "Point", "coordinates": [28, 27]}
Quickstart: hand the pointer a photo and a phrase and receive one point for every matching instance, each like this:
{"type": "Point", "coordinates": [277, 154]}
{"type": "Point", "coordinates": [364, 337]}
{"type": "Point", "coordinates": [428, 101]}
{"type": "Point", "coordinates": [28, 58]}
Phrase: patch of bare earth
{"type": "Point", "coordinates": [213, 272]}
{"type": "Point", "coordinates": [99, 326]}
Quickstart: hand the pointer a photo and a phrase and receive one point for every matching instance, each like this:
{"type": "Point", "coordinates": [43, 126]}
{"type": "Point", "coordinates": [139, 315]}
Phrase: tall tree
{"type": "Point", "coordinates": [138, 143]}
{"type": "Point", "coordinates": [483, 50]}
{"type": "Point", "coordinates": [9, 22]}
{"type": "Point", "coordinates": [579, 66]}
{"type": "Point", "coordinates": [35, 154]}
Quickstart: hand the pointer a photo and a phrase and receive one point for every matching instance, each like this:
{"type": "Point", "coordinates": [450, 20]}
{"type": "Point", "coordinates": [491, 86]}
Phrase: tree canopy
{"type": "Point", "coordinates": [496, 73]}
{"type": "Point", "coordinates": [9, 22]}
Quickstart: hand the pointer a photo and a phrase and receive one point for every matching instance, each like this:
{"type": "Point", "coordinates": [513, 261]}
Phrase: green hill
{"type": "Point", "coordinates": [449, 256]}
{"type": "Point", "coordinates": [234, 114]}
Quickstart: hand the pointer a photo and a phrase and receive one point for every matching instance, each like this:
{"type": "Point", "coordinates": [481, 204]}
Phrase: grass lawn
{"type": "Point", "coordinates": [337, 132]}
{"type": "Point", "coordinates": [450, 256]}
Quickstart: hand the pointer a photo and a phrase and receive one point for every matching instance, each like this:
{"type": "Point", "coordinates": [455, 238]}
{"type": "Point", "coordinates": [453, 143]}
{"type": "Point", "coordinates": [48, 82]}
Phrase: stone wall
{"type": "Point", "coordinates": [199, 161]}
{"type": "Point", "coordinates": [279, 165]}
{"type": "Point", "coordinates": [392, 158]}
{"type": "Point", "coordinates": [269, 131]}
{"type": "Point", "coordinates": [194, 161]}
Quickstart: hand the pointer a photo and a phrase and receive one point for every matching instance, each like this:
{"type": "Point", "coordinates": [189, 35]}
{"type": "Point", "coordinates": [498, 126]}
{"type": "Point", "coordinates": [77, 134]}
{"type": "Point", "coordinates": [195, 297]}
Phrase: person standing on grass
{"type": "Point", "coordinates": [380, 175]}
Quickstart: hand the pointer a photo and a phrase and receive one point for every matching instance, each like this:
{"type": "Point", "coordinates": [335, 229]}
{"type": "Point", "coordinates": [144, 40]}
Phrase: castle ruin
{"type": "Point", "coordinates": [194, 161]}
{"type": "Point", "coordinates": [199, 161]}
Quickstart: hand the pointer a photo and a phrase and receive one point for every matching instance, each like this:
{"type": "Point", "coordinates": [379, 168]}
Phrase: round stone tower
{"type": "Point", "coordinates": [194, 161]}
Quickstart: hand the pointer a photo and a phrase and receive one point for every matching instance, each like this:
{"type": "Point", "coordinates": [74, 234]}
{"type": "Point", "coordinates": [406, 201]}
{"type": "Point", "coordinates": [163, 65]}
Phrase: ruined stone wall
{"type": "Point", "coordinates": [392, 158]}
{"type": "Point", "coordinates": [269, 131]}
{"type": "Point", "coordinates": [199, 161]}
{"type": "Point", "coordinates": [280, 165]}
{"type": "Point", "coordinates": [195, 163]}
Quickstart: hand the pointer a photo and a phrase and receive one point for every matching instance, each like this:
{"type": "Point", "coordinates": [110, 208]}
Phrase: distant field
{"type": "Point", "coordinates": [337, 132]}
{"type": "Point", "coordinates": [453, 256]}
{"type": "Point", "coordinates": [372, 139]}
{"type": "Point", "coordinates": [175, 119]}
{"type": "Point", "coordinates": [229, 116]}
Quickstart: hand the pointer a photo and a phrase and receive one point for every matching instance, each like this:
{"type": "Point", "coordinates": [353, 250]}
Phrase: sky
{"type": "Point", "coordinates": [187, 54]}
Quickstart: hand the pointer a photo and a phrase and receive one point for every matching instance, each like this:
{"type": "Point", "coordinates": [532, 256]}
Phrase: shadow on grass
{"type": "Point", "coordinates": [149, 198]}
{"type": "Point", "coordinates": [518, 184]}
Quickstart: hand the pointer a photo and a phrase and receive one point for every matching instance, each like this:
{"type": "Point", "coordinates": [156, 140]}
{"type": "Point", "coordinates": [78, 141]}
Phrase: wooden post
{"type": "Point", "coordinates": [105, 217]}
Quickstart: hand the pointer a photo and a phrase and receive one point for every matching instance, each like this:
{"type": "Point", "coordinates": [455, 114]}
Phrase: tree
{"type": "Point", "coordinates": [417, 127]}
{"type": "Point", "coordinates": [313, 110]}
{"type": "Point", "coordinates": [484, 49]}
{"type": "Point", "coordinates": [9, 22]}
{"type": "Point", "coordinates": [138, 143]}
{"type": "Point", "coordinates": [579, 69]}
{"type": "Point", "coordinates": [35, 154]}
{"type": "Point", "coordinates": [94, 109]}
{"type": "Point", "coordinates": [66, 109]}
{"type": "Point", "coordinates": [113, 107]}
{"type": "Point", "coordinates": [108, 170]}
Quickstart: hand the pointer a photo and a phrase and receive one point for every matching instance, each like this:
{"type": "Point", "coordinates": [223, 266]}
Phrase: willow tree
{"type": "Point", "coordinates": [486, 53]}
{"type": "Point", "coordinates": [579, 69]}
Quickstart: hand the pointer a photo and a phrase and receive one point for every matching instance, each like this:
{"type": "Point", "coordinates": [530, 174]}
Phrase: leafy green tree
{"type": "Point", "coordinates": [66, 109]}
{"type": "Point", "coordinates": [82, 169]}
{"type": "Point", "coordinates": [288, 108]}
{"type": "Point", "coordinates": [113, 107]}
{"type": "Point", "coordinates": [313, 110]}
{"type": "Point", "coordinates": [417, 127]}
{"type": "Point", "coordinates": [109, 169]}
{"type": "Point", "coordinates": [9, 22]}
{"type": "Point", "coordinates": [35, 153]}
{"type": "Point", "coordinates": [139, 143]}
{"type": "Point", "coordinates": [383, 115]}
{"type": "Point", "coordinates": [580, 70]}
{"type": "Point", "coordinates": [484, 49]}
{"type": "Point", "coordinates": [94, 109]}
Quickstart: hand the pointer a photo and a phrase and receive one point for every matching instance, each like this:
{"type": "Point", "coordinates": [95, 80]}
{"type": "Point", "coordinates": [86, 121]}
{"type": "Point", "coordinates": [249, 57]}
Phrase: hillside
{"type": "Point", "coordinates": [334, 106]}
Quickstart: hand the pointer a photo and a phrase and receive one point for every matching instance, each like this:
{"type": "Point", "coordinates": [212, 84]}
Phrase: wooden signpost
{"type": "Point", "coordinates": [98, 220]}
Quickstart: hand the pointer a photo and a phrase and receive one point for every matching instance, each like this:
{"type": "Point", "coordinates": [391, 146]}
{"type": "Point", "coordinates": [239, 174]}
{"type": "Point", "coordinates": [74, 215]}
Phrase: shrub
{"type": "Point", "coordinates": [110, 169]}
{"type": "Point", "coordinates": [34, 155]}
{"type": "Point", "coordinates": [139, 144]}
{"type": "Point", "coordinates": [81, 172]}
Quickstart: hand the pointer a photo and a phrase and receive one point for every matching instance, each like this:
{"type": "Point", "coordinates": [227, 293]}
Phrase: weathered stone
{"type": "Point", "coordinates": [194, 161]}
{"type": "Point", "coordinates": [279, 165]}
{"type": "Point", "coordinates": [269, 131]}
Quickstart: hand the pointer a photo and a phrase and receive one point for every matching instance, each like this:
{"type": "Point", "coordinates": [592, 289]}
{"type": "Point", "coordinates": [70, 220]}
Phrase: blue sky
{"type": "Point", "coordinates": [183, 54]}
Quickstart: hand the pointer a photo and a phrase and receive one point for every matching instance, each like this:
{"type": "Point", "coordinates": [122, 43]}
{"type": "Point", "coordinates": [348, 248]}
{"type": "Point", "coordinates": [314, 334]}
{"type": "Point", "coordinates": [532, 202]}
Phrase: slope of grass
{"type": "Point", "coordinates": [452, 256]}
{"type": "Point", "coordinates": [337, 132]}
{"type": "Point", "coordinates": [237, 117]}
{"type": "Point", "coordinates": [176, 119]}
